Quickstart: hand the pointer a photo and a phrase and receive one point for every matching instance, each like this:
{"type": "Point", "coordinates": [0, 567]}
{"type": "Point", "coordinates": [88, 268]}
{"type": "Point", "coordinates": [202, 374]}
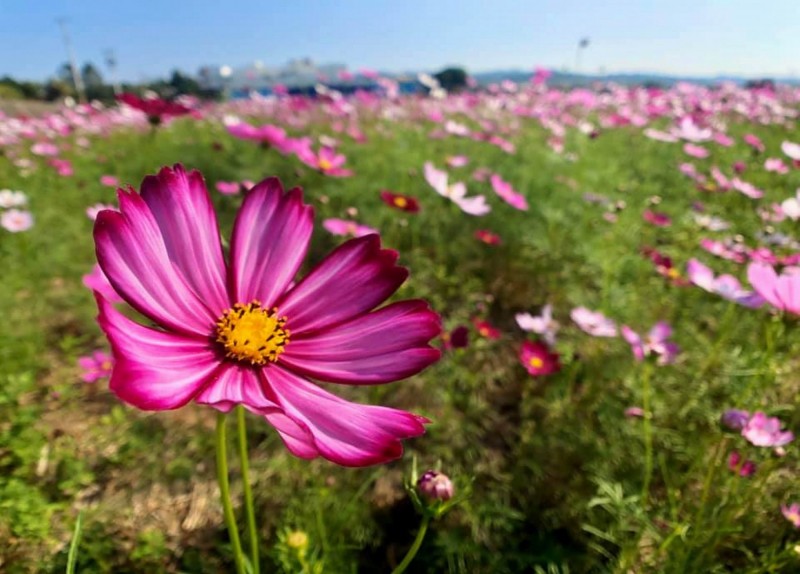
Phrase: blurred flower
{"type": "Point", "coordinates": [93, 210]}
{"type": "Point", "coordinates": [776, 165]}
{"type": "Point", "coordinates": [327, 161]}
{"type": "Point", "coordinates": [656, 218]}
{"type": "Point", "coordinates": [109, 180]}
{"type": "Point", "coordinates": [593, 323]}
{"type": "Point", "coordinates": [96, 366]}
{"type": "Point", "coordinates": [792, 514]}
{"type": "Point", "coordinates": [697, 151]}
{"type": "Point", "coordinates": [458, 338]}
{"type": "Point", "coordinates": [735, 463]}
{"type": "Point", "coordinates": [543, 324]}
{"type": "Point", "coordinates": [710, 222]}
{"type": "Point", "coordinates": [487, 237]}
{"type": "Point", "coordinates": [156, 109]}
{"type": "Point", "coordinates": [631, 412]}
{"type": "Point", "coordinates": [457, 160]}
{"type": "Point", "coordinates": [781, 291]}
{"type": "Point", "coordinates": [228, 187]}
{"type": "Point", "coordinates": [244, 332]}
{"type": "Point", "coordinates": [344, 227]}
{"type": "Point", "coordinates": [399, 201]}
{"type": "Point", "coordinates": [656, 343]}
{"type": "Point", "coordinates": [434, 485]}
{"type": "Point", "coordinates": [456, 192]}
{"type": "Point", "coordinates": [538, 360]}
{"type": "Point", "coordinates": [753, 141]}
{"type": "Point", "coordinates": [735, 419]}
{"type": "Point", "coordinates": [791, 149]}
{"type": "Point", "coordinates": [726, 286]}
{"type": "Point", "coordinates": [10, 198]}
{"type": "Point", "coordinates": [507, 193]}
{"type": "Point", "coordinates": [485, 329]}
{"type": "Point", "coordinates": [46, 149]}
{"type": "Point", "coordinates": [15, 220]}
{"type": "Point", "coordinates": [762, 430]}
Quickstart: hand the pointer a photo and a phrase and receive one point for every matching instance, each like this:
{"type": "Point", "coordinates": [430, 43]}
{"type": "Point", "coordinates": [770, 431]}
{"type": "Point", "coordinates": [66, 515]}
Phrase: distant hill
{"type": "Point", "coordinates": [628, 79]}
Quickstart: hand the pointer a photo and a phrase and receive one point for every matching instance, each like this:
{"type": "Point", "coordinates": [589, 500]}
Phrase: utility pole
{"type": "Point", "coordinates": [76, 77]}
{"type": "Point", "coordinates": [111, 64]}
{"type": "Point", "coordinates": [582, 45]}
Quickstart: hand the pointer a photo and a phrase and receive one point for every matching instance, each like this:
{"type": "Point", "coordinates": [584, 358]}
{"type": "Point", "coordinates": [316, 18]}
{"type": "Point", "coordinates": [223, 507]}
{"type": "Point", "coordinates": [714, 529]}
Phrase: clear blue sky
{"type": "Point", "coordinates": [151, 37]}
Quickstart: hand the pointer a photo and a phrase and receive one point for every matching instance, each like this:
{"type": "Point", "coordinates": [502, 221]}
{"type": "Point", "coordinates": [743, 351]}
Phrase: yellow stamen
{"type": "Point", "coordinates": [400, 202]}
{"type": "Point", "coordinates": [484, 331]}
{"type": "Point", "coordinates": [536, 362]}
{"type": "Point", "coordinates": [251, 333]}
{"type": "Point", "coordinates": [106, 366]}
{"type": "Point", "coordinates": [325, 165]}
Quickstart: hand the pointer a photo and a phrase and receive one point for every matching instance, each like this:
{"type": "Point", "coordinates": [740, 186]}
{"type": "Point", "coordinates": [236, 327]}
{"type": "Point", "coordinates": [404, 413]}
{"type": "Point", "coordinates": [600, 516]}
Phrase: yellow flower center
{"type": "Point", "coordinates": [484, 332]}
{"type": "Point", "coordinates": [251, 333]}
{"type": "Point", "coordinates": [400, 202]}
{"type": "Point", "coordinates": [106, 366]}
{"type": "Point", "coordinates": [536, 362]}
{"type": "Point", "coordinates": [325, 165]}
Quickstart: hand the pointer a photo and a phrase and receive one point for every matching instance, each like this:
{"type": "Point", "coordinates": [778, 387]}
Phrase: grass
{"type": "Point", "coordinates": [555, 470]}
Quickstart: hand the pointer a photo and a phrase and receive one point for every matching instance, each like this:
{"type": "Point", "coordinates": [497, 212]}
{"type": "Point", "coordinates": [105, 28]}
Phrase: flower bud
{"type": "Point", "coordinates": [435, 486]}
{"type": "Point", "coordinates": [735, 419]}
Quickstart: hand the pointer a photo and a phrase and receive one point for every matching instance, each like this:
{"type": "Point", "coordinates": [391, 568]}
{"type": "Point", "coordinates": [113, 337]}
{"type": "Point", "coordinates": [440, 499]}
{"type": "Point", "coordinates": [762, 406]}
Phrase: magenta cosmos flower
{"type": "Point", "coordinates": [243, 332]}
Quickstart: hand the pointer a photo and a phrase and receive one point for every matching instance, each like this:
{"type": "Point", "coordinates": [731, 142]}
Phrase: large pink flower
{"type": "Point", "coordinates": [243, 332]}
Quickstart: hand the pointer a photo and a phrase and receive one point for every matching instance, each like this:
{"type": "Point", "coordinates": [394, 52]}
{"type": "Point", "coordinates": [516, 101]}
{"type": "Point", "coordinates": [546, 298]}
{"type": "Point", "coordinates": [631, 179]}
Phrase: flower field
{"type": "Point", "coordinates": [516, 329]}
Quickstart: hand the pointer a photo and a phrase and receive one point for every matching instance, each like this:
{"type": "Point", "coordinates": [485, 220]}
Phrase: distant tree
{"type": "Point", "coordinates": [57, 89]}
{"type": "Point", "coordinates": [91, 76]}
{"type": "Point", "coordinates": [452, 79]}
{"type": "Point", "coordinates": [183, 84]}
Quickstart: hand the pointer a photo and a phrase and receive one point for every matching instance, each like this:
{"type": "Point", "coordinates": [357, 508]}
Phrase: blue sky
{"type": "Point", "coordinates": [151, 37]}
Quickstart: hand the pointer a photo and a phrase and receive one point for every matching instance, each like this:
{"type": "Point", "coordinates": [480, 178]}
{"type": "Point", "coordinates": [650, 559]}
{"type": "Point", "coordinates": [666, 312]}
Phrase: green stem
{"type": "Point", "coordinates": [647, 429]}
{"type": "Point", "coordinates": [248, 492]}
{"type": "Point", "coordinates": [225, 493]}
{"type": "Point", "coordinates": [412, 552]}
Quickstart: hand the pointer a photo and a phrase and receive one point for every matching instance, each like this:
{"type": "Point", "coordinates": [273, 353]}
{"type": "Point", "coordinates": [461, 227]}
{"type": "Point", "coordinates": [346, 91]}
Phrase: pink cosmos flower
{"type": "Point", "coordinates": [791, 149]}
{"type": "Point", "coordinates": [538, 360]}
{"type": "Point", "coordinates": [267, 135]}
{"type": "Point", "coordinates": [98, 282]}
{"type": "Point", "coordinates": [747, 189]}
{"type": "Point", "coordinates": [694, 150]}
{"type": "Point", "coordinates": [724, 250]}
{"type": "Point", "coordinates": [776, 165]}
{"type": "Point", "coordinates": [46, 149]}
{"type": "Point", "coordinates": [721, 179]}
{"type": "Point", "coordinates": [762, 430]}
{"type": "Point", "coordinates": [543, 324]}
{"type": "Point", "coordinates": [656, 343]}
{"type": "Point", "coordinates": [754, 142]}
{"type": "Point", "coordinates": [93, 210]}
{"type": "Point", "coordinates": [736, 464]}
{"type": "Point", "coordinates": [781, 291]}
{"type": "Point", "coordinates": [96, 366]}
{"type": "Point", "coordinates": [457, 192]}
{"type": "Point", "coordinates": [228, 187]}
{"type": "Point", "coordinates": [791, 207]}
{"type": "Point", "coordinates": [344, 227]}
{"type": "Point", "coordinates": [16, 220]}
{"type": "Point", "coordinates": [656, 218]}
{"type": "Point", "coordinates": [660, 136]}
{"type": "Point", "coordinates": [458, 338]}
{"type": "Point", "coordinates": [457, 161]}
{"type": "Point", "coordinates": [109, 180]}
{"type": "Point", "coordinates": [792, 513]}
{"type": "Point", "coordinates": [488, 237]}
{"type": "Point", "coordinates": [593, 323]}
{"type": "Point", "coordinates": [62, 166]}
{"type": "Point", "coordinates": [244, 332]}
{"type": "Point", "coordinates": [328, 162]}
{"type": "Point", "coordinates": [507, 193]}
{"type": "Point", "coordinates": [634, 412]}
{"type": "Point", "coordinates": [723, 139]}
{"type": "Point", "coordinates": [486, 329]}
{"type": "Point", "coordinates": [726, 286]}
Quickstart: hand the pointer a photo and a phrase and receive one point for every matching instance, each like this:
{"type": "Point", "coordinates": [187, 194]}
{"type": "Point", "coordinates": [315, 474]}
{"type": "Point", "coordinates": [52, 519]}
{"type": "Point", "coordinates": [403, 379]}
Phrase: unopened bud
{"type": "Point", "coordinates": [435, 486]}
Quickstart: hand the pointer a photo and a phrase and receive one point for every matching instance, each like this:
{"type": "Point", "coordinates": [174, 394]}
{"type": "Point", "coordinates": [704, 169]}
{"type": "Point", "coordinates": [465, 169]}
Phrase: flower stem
{"type": "Point", "coordinates": [647, 429]}
{"type": "Point", "coordinates": [248, 492]}
{"type": "Point", "coordinates": [412, 552]}
{"type": "Point", "coordinates": [225, 493]}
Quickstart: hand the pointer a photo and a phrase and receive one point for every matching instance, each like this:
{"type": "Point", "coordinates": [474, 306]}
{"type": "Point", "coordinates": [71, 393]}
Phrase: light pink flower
{"type": "Point", "coordinates": [46, 149]}
{"type": "Point", "coordinates": [543, 324]}
{"type": "Point", "coordinates": [791, 149]}
{"type": "Point", "coordinates": [96, 366]}
{"type": "Point", "coordinates": [762, 430]}
{"type": "Point", "coordinates": [694, 150]}
{"type": "Point", "coordinates": [726, 286]}
{"type": "Point", "coordinates": [228, 187]}
{"type": "Point", "coordinates": [244, 332]}
{"type": "Point", "coordinates": [656, 218]}
{"type": "Point", "coordinates": [109, 180]}
{"type": "Point", "coordinates": [776, 165]}
{"type": "Point", "coordinates": [723, 139]}
{"type": "Point", "coordinates": [16, 220]}
{"type": "Point", "coordinates": [457, 161]}
{"type": "Point", "coordinates": [792, 513]}
{"type": "Point", "coordinates": [656, 343]}
{"type": "Point", "coordinates": [747, 189]}
{"type": "Point", "coordinates": [9, 198]}
{"type": "Point", "coordinates": [457, 192]}
{"type": "Point", "coordinates": [344, 227]}
{"type": "Point", "coordinates": [593, 323]}
{"type": "Point", "coordinates": [753, 141]}
{"type": "Point", "coordinates": [507, 193]}
{"type": "Point", "coordinates": [781, 291]}
{"type": "Point", "coordinates": [660, 136]}
{"type": "Point", "coordinates": [328, 162]}
{"type": "Point", "coordinates": [62, 166]}
{"type": "Point", "coordinates": [267, 134]}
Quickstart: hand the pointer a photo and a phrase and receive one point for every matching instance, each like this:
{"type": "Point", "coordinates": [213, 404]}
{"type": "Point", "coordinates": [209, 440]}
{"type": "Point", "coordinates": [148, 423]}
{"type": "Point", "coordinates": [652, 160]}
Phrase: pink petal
{"type": "Point", "coordinates": [133, 255]}
{"type": "Point", "coordinates": [185, 215]}
{"type": "Point", "coordinates": [346, 433]}
{"type": "Point", "coordinates": [765, 281]}
{"type": "Point", "coordinates": [236, 384]}
{"type": "Point", "coordinates": [270, 240]}
{"type": "Point", "coordinates": [154, 370]}
{"type": "Point", "coordinates": [386, 345]}
{"type": "Point", "coordinates": [353, 279]}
